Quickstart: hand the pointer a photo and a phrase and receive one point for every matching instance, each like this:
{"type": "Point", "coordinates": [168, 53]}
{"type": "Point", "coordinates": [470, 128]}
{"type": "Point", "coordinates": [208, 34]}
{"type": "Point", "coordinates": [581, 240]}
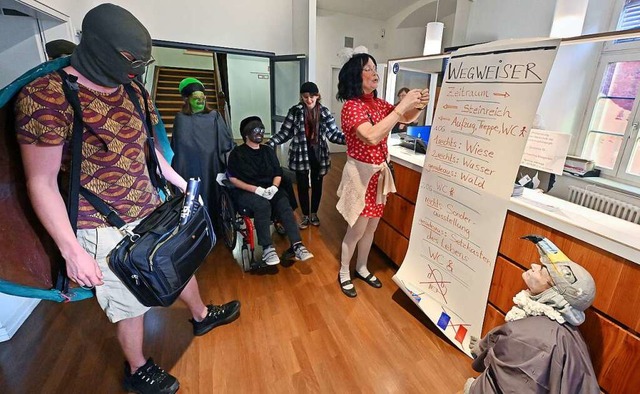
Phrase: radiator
{"type": "Point", "coordinates": [605, 204]}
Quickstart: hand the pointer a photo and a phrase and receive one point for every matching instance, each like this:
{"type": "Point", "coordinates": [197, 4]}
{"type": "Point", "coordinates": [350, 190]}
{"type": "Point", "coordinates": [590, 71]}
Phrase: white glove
{"type": "Point", "coordinates": [473, 346]}
{"type": "Point", "coordinates": [273, 189]}
{"type": "Point", "coordinates": [261, 191]}
{"type": "Point", "coordinates": [270, 192]}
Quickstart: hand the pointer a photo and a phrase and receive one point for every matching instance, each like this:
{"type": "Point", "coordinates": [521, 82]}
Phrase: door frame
{"type": "Point", "coordinates": [302, 59]}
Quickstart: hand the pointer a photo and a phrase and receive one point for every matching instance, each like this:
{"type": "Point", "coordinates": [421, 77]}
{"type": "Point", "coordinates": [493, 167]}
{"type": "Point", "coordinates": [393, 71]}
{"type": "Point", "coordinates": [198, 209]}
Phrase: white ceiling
{"type": "Point", "coordinates": [385, 9]}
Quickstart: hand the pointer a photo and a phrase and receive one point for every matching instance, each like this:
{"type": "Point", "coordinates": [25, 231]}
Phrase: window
{"type": "Point", "coordinates": [612, 132]}
{"type": "Point", "coordinates": [611, 113]}
{"type": "Point", "coordinates": [630, 15]}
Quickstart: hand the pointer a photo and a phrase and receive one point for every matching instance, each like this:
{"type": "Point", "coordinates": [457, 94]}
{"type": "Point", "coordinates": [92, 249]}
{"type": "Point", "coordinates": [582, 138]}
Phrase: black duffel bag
{"type": "Point", "coordinates": [158, 258]}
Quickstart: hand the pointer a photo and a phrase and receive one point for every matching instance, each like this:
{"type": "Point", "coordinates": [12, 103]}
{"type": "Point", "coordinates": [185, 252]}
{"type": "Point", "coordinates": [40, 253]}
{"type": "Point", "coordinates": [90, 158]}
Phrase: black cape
{"type": "Point", "coordinates": [200, 143]}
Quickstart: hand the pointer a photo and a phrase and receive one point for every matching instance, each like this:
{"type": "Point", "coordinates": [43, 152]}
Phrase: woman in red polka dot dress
{"type": "Point", "coordinates": [366, 179]}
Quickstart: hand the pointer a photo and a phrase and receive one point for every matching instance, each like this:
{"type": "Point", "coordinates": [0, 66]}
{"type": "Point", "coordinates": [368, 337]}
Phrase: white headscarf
{"type": "Point", "coordinates": [549, 303]}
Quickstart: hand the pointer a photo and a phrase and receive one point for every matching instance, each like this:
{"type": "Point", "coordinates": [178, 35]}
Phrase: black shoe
{"type": "Point", "coordinates": [149, 378]}
{"type": "Point", "coordinates": [217, 315]}
{"type": "Point", "coordinates": [348, 292]}
{"type": "Point", "coordinates": [371, 282]}
{"type": "Point", "coordinates": [304, 223]}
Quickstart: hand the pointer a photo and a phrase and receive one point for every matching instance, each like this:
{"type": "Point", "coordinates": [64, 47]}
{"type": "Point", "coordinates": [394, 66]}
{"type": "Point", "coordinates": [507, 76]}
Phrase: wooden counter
{"type": "Point", "coordinates": [612, 326]}
{"type": "Point", "coordinates": [613, 322]}
{"type": "Point", "coordinates": [392, 235]}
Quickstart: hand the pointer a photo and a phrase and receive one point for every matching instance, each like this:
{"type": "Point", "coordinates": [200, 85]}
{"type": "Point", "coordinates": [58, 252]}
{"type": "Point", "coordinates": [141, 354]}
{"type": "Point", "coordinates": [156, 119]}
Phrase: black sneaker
{"type": "Point", "coordinates": [149, 378]}
{"type": "Point", "coordinates": [217, 315]}
{"type": "Point", "coordinates": [304, 223]}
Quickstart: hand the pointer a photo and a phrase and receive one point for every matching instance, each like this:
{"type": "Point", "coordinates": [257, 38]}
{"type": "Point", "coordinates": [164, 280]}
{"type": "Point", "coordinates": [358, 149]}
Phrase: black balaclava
{"type": "Point", "coordinates": [106, 31]}
{"type": "Point", "coordinates": [252, 128]}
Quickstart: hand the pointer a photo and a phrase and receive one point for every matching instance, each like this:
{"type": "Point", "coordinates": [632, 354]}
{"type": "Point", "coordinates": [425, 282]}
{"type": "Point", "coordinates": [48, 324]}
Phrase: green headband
{"type": "Point", "coordinates": [190, 85]}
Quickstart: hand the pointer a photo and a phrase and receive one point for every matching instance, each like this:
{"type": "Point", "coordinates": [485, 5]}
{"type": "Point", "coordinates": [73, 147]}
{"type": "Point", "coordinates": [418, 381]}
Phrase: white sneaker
{"type": "Point", "coordinates": [301, 253]}
{"type": "Point", "coordinates": [270, 257]}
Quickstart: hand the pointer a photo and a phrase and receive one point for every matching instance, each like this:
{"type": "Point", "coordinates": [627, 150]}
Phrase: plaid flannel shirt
{"type": "Point", "coordinates": [293, 129]}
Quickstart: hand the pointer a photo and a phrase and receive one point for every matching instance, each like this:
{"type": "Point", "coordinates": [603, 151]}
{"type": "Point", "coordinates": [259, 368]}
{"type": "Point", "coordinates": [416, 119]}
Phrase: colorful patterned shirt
{"type": "Point", "coordinates": [113, 149]}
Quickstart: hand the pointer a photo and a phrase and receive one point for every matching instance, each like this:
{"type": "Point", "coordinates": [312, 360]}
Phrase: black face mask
{"type": "Point", "coordinates": [256, 135]}
{"type": "Point", "coordinates": [107, 31]}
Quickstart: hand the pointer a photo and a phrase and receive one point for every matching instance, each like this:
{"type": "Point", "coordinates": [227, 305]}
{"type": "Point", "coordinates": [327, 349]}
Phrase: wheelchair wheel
{"type": "Point", "coordinates": [247, 260]}
{"type": "Point", "coordinates": [228, 218]}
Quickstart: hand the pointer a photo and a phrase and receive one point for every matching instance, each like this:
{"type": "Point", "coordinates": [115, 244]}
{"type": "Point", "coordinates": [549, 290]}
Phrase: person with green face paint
{"type": "Point", "coordinates": [201, 142]}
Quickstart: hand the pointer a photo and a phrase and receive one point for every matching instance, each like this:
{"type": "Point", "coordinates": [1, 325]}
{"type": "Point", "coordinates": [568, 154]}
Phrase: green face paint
{"type": "Point", "coordinates": [197, 103]}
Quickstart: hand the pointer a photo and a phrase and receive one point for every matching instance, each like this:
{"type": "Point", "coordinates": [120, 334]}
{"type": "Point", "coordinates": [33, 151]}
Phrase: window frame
{"type": "Point", "coordinates": [614, 52]}
{"type": "Point", "coordinates": [616, 13]}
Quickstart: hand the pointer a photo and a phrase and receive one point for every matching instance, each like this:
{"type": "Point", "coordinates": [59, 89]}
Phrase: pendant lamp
{"type": "Point", "coordinates": [433, 36]}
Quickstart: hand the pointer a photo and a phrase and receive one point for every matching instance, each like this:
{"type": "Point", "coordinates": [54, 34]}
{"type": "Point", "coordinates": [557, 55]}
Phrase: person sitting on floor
{"type": "Point", "coordinates": [254, 170]}
{"type": "Point", "coordinates": [539, 349]}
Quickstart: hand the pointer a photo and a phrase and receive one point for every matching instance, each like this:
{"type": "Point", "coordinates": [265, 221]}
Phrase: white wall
{"type": "Point", "coordinates": [490, 20]}
{"type": "Point", "coordinates": [409, 42]}
{"type": "Point", "coordinates": [332, 27]}
{"type": "Point", "coordinates": [75, 9]}
{"type": "Point", "coordinates": [247, 24]}
{"type": "Point", "coordinates": [20, 41]}
{"type": "Point", "coordinates": [300, 26]}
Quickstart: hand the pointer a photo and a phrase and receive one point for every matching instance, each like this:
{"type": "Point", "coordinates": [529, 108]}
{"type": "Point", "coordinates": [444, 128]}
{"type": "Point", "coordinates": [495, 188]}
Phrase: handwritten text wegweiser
{"type": "Point", "coordinates": [484, 113]}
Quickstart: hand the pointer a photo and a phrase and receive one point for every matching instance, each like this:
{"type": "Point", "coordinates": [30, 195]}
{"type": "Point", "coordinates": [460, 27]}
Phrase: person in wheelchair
{"type": "Point", "coordinates": [255, 172]}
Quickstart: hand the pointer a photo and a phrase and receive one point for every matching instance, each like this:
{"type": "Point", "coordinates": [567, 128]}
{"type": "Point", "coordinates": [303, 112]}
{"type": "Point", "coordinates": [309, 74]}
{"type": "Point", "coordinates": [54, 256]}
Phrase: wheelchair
{"type": "Point", "coordinates": [237, 226]}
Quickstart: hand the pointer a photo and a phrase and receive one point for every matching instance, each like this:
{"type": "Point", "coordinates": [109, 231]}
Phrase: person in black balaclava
{"type": "Point", "coordinates": [115, 46]}
{"type": "Point", "coordinates": [114, 49]}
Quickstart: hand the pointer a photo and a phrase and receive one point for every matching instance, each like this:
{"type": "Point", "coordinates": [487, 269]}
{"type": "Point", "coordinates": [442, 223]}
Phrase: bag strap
{"type": "Point", "coordinates": [155, 171]}
{"type": "Point", "coordinates": [70, 89]}
{"type": "Point", "coordinates": [102, 207]}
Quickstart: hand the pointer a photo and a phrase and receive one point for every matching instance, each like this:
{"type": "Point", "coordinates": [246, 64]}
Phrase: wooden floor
{"type": "Point", "coordinates": [297, 333]}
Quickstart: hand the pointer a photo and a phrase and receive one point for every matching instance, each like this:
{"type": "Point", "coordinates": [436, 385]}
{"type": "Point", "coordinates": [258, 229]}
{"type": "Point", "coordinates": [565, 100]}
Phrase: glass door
{"type": "Point", "coordinates": [288, 73]}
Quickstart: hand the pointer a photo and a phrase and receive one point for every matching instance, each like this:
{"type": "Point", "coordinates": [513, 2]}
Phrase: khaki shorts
{"type": "Point", "coordinates": [113, 296]}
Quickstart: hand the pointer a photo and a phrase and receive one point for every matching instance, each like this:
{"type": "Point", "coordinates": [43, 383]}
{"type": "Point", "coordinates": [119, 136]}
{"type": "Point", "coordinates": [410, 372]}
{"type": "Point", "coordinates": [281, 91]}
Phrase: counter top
{"type": "Point", "coordinates": [606, 232]}
{"type": "Point", "coordinates": [405, 156]}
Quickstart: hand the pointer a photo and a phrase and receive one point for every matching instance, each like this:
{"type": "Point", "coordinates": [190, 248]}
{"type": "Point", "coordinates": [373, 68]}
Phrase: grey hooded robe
{"type": "Point", "coordinates": [534, 355]}
{"type": "Point", "coordinates": [200, 143]}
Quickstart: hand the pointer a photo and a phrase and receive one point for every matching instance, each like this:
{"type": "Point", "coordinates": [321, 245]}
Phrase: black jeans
{"type": "Point", "coordinates": [302, 180]}
{"type": "Point", "coordinates": [287, 186]}
{"type": "Point", "coordinates": [264, 210]}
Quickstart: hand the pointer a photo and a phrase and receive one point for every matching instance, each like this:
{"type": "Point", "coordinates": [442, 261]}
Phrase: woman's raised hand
{"type": "Point", "coordinates": [410, 101]}
{"type": "Point", "coordinates": [424, 98]}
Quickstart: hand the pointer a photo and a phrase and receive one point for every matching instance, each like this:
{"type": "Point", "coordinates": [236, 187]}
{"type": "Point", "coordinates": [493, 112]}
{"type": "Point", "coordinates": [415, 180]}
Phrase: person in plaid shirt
{"type": "Point", "coordinates": [309, 125]}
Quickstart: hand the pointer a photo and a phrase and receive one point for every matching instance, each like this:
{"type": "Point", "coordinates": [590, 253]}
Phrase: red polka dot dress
{"type": "Point", "coordinates": [355, 112]}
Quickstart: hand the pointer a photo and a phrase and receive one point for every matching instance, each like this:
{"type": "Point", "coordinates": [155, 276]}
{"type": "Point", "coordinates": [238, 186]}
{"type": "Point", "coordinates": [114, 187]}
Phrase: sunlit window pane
{"type": "Point", "coordinates": [611, 113]}
{"type": "Point", "coordinates": [603, 149]}
{"type": "Point", "coordinates": [634, 162]}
